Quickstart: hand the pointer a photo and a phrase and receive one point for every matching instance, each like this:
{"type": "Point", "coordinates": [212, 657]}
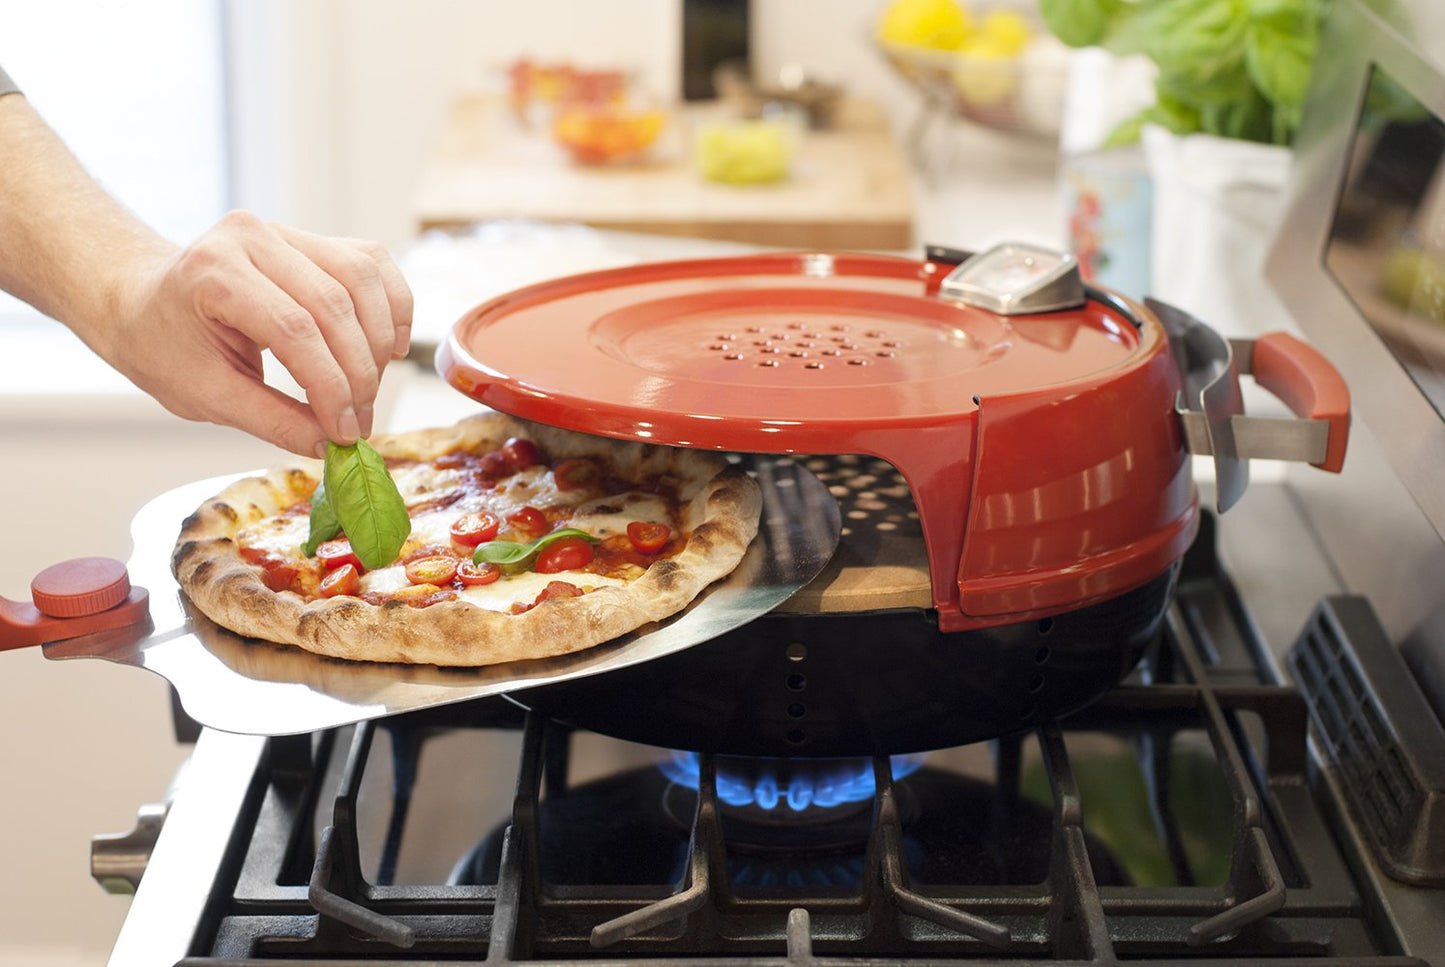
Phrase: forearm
{"type": "Point", "coordinates": [66, 246]}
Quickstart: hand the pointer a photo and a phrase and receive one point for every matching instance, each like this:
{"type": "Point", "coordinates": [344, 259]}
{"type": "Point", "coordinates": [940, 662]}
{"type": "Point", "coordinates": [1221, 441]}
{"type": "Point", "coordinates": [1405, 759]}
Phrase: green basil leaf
{"type": "Point", "coordinates": [324, 524]}
{"type": "Point", "coordinates": [512, 557]}
{"type": "Point", "coordinates": [501, 553]}
{"type": "Point", "coordinates": [366, 503]}
{"type": "Point", "coordinates": [1081, 23]}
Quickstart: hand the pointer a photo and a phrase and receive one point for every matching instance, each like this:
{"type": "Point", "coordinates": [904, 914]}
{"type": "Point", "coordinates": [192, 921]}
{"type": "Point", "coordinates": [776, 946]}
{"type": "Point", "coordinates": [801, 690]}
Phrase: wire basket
{"type": "Point", "coordinates": [1021, 94]}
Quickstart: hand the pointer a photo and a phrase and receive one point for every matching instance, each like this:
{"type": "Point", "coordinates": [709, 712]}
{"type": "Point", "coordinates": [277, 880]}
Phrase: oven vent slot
{"type": "Point", "coordinates": [1379, 732]}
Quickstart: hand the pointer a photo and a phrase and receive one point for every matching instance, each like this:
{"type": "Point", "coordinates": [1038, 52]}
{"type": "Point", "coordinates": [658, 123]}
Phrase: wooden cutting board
{"type": "Point", "coordinates": [849, 187]}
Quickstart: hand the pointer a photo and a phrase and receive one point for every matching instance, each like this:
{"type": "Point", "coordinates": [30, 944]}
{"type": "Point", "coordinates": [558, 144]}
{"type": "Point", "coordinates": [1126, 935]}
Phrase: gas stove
{"type": "Point", "coordinates": [1181, 816]}
{"type": "Point", "coordinates": [1263, 787]}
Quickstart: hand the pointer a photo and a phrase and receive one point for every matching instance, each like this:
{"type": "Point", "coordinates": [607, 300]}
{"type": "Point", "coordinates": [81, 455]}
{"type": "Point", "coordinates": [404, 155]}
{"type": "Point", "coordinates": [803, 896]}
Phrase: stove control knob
{"type": "Point", "coordinates": [119, 860]}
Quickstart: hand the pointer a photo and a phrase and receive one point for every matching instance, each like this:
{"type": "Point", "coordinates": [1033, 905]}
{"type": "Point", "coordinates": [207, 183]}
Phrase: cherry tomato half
{"type": "Point", "coordinates": [529, 519]}
{"type": "Point", "coordinates": [438, 569]}
{"type": "Point", "coordinates": [495, 464]}
{"type": "Point", "coordinates": [576, 474]}
{"type": "Point", "coordinates": [280, 575]}
{"type": "Point", "coordinates": [558, 589]}
{"type": "Point", "coordinates": [469, 530]}
{"type": "Point", "coordinates": [568, 554]}
{"type": "Point", "coordinates": [647, 537]}
{"type": "Point", "coordinates": [554, 589]}
{"type": "Point", "coordinates": [344, 579]}
{"type": "Point", "coordinates": [474, 575]}
{"type": "Point", "coordinates": [429, 550]}
{"type": "Point", "coordinates": [521, 453]}
{"type": "Point", "coordinates": [277, 573]}
{"type": "Point", "coordinates": [333, 554]}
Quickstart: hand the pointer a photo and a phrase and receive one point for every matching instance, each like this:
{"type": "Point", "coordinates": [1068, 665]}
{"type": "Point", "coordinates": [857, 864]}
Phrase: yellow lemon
{"type": "Point", "coordinates": [1002, 33]}
{"type": "Point", "coordinates": [927, 23]}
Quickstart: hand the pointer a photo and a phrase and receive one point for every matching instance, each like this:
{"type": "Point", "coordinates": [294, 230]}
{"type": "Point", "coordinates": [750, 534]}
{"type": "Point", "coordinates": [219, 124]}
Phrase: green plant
{"type": "Point", "coordinates": [1233, 68]}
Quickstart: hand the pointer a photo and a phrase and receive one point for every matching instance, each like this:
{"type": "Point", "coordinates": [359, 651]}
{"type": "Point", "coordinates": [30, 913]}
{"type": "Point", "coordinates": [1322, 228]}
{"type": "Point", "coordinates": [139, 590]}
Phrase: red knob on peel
{"type": "Point", "coordinates": [79, 587]}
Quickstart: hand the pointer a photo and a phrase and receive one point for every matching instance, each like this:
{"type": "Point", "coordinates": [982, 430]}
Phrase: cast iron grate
{"type": "Point", "coordinates": [296, 898]}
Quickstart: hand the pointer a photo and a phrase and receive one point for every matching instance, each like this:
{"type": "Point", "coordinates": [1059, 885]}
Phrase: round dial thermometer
{"type": "Point", "coordinates": [1015, 278]}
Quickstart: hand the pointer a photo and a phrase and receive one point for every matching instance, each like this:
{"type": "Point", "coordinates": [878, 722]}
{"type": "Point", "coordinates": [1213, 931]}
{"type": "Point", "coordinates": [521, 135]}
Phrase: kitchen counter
{"type": "Point", "coordinates": [850, 186]}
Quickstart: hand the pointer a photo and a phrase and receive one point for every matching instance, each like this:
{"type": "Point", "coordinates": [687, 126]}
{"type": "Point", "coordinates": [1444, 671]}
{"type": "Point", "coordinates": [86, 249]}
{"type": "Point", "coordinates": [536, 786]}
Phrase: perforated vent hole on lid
{"type": "Point", "coordinates": [805, 346]}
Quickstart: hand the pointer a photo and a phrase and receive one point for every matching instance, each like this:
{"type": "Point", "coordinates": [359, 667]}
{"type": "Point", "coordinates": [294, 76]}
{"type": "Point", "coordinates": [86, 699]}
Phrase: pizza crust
{"type": "Point", "coordinates": [720, 516]}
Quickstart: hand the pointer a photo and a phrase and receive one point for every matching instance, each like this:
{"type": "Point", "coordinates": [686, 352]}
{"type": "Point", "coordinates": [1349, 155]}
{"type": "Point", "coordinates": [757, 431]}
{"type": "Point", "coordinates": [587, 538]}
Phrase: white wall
{"type": "Point", "coordinates": [337, 103]}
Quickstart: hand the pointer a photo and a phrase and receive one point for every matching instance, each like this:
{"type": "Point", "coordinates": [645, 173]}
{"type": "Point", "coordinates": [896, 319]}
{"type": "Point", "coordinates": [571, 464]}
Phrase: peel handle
{"type": "Point", "coordinates": [76, 597]}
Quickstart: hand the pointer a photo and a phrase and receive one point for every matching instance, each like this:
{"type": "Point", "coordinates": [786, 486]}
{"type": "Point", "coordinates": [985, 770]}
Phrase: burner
{"type": "Point", "coordinates": [632, 829]}
{"type": "Point", "coordinates": [789, 792]}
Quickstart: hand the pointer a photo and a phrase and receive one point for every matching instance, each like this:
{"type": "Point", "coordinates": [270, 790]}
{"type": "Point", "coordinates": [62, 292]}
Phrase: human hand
{"type": "Point", "coordinates": [191, 325]}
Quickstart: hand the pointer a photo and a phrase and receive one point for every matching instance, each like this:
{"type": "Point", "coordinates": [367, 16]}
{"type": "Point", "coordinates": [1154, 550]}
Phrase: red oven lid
{"type": "Point", "coordinates": [772, 353]}
{"type": "Point", "coordinates": [1042, 451]}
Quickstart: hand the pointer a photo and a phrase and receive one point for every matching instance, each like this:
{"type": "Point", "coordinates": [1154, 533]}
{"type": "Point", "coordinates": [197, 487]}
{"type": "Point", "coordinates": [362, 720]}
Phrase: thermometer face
{"type": "Point", "coordinates": [1014, 278]}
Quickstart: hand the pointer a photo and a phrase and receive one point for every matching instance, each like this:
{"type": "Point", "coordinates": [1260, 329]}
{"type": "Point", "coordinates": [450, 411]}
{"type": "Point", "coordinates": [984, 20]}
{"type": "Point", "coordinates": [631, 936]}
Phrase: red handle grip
{"type": "Point", "coordinates": [1309, 385]}
{"type": "Point", "coordinates": [72, 598]}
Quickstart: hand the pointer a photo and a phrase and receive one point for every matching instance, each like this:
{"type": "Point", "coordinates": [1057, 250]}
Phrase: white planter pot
{"type": "Point", "coordinates": [1216, 202]}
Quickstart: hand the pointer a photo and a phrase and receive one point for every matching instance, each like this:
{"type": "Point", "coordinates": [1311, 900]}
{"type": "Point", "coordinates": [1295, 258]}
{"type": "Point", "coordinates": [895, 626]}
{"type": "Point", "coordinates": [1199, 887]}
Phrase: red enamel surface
{"type": "Point", "coordinates": [1042, 451]}
{"type": "Point", "coordinates": [1313, 389]}
{"type": "Point", "coordinates": [76, 597]}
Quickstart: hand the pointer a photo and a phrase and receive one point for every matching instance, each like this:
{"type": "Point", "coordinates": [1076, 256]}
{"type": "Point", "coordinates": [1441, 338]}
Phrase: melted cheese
{"type": "Point", "coordinates": [607, 516]}
{"type": "Point", "coordinates": [501, 594]}
{"type": "Point", "coordinates": [282, 536]}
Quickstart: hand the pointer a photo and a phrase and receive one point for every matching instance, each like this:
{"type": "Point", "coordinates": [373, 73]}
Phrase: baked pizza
{"type": "Point", "coordinates": [525, 541]}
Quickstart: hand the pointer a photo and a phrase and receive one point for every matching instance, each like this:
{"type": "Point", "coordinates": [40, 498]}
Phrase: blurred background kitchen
{"type": "Point", "coordinates": [437, 128]}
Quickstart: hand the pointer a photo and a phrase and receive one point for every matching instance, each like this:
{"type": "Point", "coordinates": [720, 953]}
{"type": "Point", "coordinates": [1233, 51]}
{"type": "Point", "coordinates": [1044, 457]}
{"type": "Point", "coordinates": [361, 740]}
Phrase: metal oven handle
{"type": "Point", "coordinates": [1211, 407]}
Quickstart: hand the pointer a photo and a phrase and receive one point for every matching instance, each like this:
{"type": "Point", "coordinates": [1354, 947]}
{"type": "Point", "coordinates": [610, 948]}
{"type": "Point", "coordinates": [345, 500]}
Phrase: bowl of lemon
{"type": "Point", "coordinates": [991, 63]}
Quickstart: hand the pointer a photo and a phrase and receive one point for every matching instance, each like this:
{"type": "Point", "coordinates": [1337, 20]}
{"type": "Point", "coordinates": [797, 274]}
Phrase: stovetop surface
{"type": "Point", "coordinates": [1174, 820]}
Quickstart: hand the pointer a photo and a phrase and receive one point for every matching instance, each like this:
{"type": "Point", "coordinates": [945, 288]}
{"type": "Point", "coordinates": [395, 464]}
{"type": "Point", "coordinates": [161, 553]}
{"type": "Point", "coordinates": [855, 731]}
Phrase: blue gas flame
{"type": "Point", "coordinates": [824, 783]}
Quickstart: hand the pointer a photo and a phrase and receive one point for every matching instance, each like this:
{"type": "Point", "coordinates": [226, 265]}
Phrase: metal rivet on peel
{"type": "Point", "coordinates": [885, 353]}
{"type": "Point", "coordinates": [767, 362]}
{"type": "Point", "coordinates": [798, 353]}
{"type": "Point", "coordinates": [838, 328]}
{"type": "Point", "coordinates": [733, 356]}
{"type": "Point", "coordinates": [813, 365]}
{"type": "Point", "coordinates": [891, 344]}
{"type": "Point", "coordinates": [795, 325]}
{"type": "Point", "coordinates": [726, 336]}
{"type": "Point", "coordinates": [857, 362]}
{"type": "Point", "coordinates": [719, 346]}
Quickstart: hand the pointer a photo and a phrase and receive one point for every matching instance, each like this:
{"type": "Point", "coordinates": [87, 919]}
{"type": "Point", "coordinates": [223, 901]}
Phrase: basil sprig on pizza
{"type": "Point", "coordinates": [497, 540]}
{"type": "Point", "coordinates": [367, 505]}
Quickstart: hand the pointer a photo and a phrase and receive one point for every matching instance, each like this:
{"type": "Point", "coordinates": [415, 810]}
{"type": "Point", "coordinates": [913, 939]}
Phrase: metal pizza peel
{"type": "Point", "coordinates": [236, 684]}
